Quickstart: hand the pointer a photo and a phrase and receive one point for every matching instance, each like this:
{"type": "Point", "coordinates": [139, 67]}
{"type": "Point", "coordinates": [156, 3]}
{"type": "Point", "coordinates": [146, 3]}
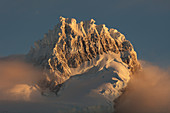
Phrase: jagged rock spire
{"type": "Point", "coordinates": [70, 44]}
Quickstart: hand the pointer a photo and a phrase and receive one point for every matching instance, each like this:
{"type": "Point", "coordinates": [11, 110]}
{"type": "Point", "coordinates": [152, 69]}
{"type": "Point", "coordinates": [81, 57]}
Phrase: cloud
{"type": "Point", "coordinates": [17, 88]}
{"type": "Point", "coordinates": [17, 80]}
{"type": "Point", "coordinates": [147, 92]}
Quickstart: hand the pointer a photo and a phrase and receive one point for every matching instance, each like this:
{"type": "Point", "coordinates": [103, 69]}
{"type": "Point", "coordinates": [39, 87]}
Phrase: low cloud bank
{"type": "Point", "coordinates": [147, 92]}
{"type": "Point", "coordinates": [17, 80]}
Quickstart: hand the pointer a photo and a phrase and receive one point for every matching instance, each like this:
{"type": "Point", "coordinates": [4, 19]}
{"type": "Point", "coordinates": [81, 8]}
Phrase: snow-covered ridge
{"type": "Point", "coordinates": [70, 44]}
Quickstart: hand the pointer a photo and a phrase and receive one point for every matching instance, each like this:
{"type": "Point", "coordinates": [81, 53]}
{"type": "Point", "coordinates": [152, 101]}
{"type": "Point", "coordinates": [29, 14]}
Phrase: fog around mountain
{"type": "Point", "coordinates": [82, 67]}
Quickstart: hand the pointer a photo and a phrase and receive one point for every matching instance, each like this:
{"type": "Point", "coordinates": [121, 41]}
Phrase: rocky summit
{"type": "Point", "coordinates": [70, 44]}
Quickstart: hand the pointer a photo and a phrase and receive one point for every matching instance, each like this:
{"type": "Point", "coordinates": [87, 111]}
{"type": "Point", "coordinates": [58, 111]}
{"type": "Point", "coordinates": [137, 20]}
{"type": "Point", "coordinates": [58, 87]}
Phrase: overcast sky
{"type": "Point", "coordinates": [144, 22]}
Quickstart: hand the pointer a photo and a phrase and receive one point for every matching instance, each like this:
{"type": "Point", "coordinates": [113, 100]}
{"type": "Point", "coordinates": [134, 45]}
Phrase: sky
{"type": "Point", "coordinates": [144, 22]}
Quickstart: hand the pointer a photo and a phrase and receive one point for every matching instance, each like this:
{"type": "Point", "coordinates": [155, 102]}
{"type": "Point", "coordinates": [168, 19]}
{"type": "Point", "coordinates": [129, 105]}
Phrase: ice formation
{"type": "Point", "coordinates": [85, 64]}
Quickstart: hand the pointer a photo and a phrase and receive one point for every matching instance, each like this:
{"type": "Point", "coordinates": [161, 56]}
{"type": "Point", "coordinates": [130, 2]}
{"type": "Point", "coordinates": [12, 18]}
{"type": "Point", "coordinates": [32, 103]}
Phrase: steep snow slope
{"type": "Point", "coordinates": [97, 88]}
{"type": "Point", "coordinates": [85, 64]}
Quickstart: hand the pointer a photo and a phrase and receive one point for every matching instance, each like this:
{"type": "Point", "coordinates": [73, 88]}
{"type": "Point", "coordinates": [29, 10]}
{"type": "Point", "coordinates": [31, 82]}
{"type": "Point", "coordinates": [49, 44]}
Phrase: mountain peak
{"type": "Point", "coordinates": [71, 44]}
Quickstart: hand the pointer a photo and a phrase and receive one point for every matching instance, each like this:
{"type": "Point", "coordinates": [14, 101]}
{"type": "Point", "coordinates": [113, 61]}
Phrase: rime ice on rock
{"type": "Point", "coordinates": [70, 44]}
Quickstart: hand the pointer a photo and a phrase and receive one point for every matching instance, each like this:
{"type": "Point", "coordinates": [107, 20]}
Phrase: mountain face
{"type": "Point", "coordinates": [84, 57]}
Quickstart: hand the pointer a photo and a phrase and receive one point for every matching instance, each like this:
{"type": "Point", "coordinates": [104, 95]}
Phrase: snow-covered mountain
{"type": "Point", "coordinates": [85, 64]}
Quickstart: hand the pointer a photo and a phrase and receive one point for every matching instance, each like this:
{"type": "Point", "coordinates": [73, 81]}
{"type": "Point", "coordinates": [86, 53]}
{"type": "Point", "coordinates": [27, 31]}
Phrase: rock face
{"type": "Point", "coordinates": [70, 44]}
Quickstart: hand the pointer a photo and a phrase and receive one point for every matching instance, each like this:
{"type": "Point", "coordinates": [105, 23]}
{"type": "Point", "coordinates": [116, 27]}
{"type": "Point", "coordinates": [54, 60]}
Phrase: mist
{"type": "Point", "coordinates": [147, 92]}
{"type": "Point", "coordinates": [17, 88]}
{"type": "Point", "coordinates": [17, 80]}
